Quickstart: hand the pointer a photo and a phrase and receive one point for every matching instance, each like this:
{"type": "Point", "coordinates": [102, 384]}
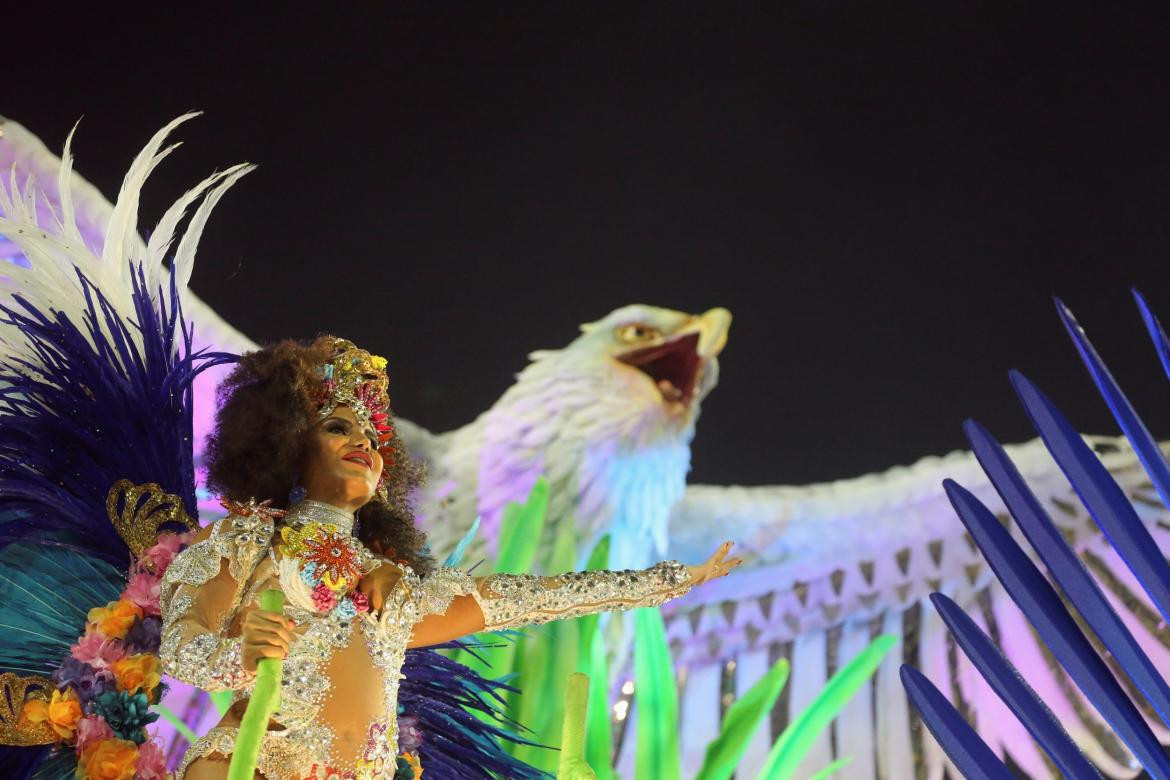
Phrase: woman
{"type": "Point", "coordinates": [306, 427]}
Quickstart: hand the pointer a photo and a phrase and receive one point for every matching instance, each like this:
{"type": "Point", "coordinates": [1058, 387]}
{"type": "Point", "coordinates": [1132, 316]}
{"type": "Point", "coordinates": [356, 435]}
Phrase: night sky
{"type": "Point", "coordinates": [885, 195]}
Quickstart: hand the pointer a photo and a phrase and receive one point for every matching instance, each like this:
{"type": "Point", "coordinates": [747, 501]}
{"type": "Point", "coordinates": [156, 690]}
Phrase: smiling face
{"type": "Point", "coordinates": [342, 465]}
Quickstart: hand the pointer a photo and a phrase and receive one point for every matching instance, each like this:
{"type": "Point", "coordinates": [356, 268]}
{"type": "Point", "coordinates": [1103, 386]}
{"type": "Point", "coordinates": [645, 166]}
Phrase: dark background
{"type": "Point", "coordinates": [884, 194]}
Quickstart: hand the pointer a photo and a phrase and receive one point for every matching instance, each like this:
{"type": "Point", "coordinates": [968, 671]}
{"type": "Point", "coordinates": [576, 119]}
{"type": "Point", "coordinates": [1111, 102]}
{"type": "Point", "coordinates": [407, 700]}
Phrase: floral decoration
{"type": "Point", "coordinates": [335, 557]}
{"type": "Point", "coordinates": [111, 677]}
{"type": "Point", "coordinates": [330, 567]}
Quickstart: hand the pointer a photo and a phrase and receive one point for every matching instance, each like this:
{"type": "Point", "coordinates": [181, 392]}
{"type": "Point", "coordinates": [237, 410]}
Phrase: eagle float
{"type": "Point", "coordinates": [609, 421]}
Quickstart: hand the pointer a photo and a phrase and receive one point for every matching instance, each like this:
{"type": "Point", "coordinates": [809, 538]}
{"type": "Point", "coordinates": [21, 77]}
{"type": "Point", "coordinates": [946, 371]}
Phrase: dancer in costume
{"type": "Point", "coordinates": [311, 422]}
{"type": "Point", "coordinates": [96, 474]}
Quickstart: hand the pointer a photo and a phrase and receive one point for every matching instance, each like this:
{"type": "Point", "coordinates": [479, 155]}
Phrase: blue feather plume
{"type": "Point", "coordinates": [448, 697]}
{"type": "Point", "coordinates": [97, 401]}
{"type": "Point", "coordinates": [94, 407]}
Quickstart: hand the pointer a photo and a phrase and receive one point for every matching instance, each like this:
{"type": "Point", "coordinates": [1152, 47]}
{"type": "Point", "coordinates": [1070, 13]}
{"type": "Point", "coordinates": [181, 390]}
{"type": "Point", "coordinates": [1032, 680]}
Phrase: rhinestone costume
{"type": "Point", "coordinates": [509, 600]}
{"type": "Point", "coordinates": [211, 586]}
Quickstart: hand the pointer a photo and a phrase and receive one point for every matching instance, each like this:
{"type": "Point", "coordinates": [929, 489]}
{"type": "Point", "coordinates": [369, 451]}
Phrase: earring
{"type": "Point", "coordinates": [296, 495]}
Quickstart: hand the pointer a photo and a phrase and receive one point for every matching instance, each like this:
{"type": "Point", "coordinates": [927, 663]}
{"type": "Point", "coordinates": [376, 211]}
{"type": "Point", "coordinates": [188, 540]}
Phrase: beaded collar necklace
{"type": "Point", "coordinates": [319, 512]}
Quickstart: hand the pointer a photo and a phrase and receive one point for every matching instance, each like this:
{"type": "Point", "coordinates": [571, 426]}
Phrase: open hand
{"type": "Point", "coordinates": [716, 566]}
{"type": "Point", "coordinates": [377, 585]}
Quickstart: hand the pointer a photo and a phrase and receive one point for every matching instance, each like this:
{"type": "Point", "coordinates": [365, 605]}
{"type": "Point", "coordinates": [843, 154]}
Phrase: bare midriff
{"type": "Point", "coordinates": [356, 697]}
{"type": "Point", "coordinates": [356, 700]}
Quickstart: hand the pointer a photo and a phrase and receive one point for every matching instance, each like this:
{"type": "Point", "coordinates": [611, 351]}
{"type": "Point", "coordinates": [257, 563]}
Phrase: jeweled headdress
{"type": "Point", "coordinates": [357, 379]}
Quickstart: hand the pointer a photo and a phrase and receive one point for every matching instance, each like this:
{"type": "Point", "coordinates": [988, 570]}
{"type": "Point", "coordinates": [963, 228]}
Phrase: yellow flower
{"type": "Point", "coordinates": [35, 711]}
{"type": "Point", "coordinates": [107, 759]}
{"type": "Point", "coordinates": [137, 672]}
{"type": "Point", "coordinates": [114, 619]}
{"type": "Point", "coordinates": [61, 713]}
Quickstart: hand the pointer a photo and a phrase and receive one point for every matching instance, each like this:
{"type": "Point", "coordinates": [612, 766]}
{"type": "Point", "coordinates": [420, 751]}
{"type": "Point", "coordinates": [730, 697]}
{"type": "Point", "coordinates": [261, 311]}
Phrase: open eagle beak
{"type": "Point", "coordinates": [712, 327]}
{"type": "Point", "coordinates": [680, 366]}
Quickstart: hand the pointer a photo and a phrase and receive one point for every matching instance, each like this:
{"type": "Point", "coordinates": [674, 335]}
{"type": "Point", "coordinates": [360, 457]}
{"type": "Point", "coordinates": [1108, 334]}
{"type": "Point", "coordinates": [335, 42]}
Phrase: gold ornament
{"type": "Point", "coordinates": [14, 729]}
{"type": "Point", "coordinates": [139, 512]}
{"type": "Point", "coordinates": [357, 379]}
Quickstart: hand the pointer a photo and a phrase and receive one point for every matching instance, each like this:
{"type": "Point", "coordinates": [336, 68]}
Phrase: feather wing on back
{"type": "Point", "coordinates": [25, 158]}
{"type": "Point", "coordinates": [39, 188]}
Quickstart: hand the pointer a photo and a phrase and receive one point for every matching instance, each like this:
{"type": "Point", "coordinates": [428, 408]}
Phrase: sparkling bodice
{"type": "Point", "coordinates": [331, 717]}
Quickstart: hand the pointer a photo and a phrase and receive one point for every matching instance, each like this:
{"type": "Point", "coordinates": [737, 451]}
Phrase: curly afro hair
{"type": "Point", "coordinates": [267, 406]}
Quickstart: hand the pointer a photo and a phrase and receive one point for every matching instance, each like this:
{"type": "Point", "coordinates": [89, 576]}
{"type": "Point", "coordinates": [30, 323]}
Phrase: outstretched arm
{"type": "Point", "coordinates": [507, 600]}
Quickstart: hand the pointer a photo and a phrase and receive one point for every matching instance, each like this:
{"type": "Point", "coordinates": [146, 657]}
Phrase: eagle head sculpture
{"type": "Point", "coordinates": [607, 420]}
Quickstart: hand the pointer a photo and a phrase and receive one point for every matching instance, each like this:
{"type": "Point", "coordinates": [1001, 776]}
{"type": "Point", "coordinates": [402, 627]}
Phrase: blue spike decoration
{"type": "Point", "coordinates": [1039, 601]}
{"type": "Point", "coordinates": [1155, 329]}
{"type": "Point", "coordinates": [1135, 430]}
{"type": "Point", "coordinates": [970, 754]}
{"type": "Point", "coordinates": [1066, 568]}
{"type": "Point", "coordinates": [1010, 686]}
{"type": "Point", "coordinates": [1099, 493]}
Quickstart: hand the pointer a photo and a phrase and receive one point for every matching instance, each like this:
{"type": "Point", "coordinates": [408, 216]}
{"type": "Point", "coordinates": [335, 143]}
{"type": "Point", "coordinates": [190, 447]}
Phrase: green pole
{"type": "Point", "coordinates": [573, 765]}
{"type": "Point", "coordinates": [265, 701]}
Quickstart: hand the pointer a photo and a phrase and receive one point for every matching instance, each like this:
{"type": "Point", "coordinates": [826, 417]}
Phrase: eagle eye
{"type": "Point", "coordinates": [636, 333]}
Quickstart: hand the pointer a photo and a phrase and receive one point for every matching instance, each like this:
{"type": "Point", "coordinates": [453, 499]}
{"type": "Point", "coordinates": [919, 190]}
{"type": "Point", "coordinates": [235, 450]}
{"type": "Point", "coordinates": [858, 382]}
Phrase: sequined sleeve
{"type": "Point", "coordinates": [200, 595]}
{"type": "Point", "coordinates": [519, 599]}
{"type": "Point", "coordinates": [437, 590]}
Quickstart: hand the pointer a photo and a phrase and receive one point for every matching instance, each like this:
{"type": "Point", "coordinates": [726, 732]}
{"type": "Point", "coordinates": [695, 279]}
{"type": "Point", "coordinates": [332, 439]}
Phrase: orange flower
{"type": "Point", "coordinates": [61, 713]}
{"type": "Point", "coordinates": [137, 672]}
{"type": "Point", "coordinates": [108, 759]}
{"type": "Point", "coordinates": [114, 619]}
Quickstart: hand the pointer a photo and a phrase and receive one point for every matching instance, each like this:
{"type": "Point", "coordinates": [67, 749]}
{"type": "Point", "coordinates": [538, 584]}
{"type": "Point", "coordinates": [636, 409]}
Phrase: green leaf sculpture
{"type": "Point", "coordinates": [794, 743]}
{"type": "Point", "coordinates": [740, 723]}
{"type": "Point", "coordinates": [573, 765]}
{"type": "Point", "coordinates": [656, 699]}
{"type": "Point", "coordinates": [592, 661]}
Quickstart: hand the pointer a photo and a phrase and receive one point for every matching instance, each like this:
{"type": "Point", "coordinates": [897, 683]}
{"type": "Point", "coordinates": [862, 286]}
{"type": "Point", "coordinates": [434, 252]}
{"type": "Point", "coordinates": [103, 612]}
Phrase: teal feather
{"type": "Point", "coordinates": [45, 595]}
{"type": "Point", "coordinates": [457, 554]}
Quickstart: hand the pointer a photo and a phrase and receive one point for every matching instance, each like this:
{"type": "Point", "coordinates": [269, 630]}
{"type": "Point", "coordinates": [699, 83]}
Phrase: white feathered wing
{"type": "Point", "coordinates": [82, 229]}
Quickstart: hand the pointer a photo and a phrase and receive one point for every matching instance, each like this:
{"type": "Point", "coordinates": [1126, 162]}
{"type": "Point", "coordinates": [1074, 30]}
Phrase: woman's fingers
{"type": "Point", "coordinates": [716, 565]}
{"type": "Point", "coordinates": [279, 637]}
{"type": "Point", "coordinates": [271, 652]}
{"type": "Point", "coordinates": [265, 635]}
{"type": "Point", "coordinates": [259, 617]}
{"type": "Point", "coordinates": [373, 593]}
{"type": "Point", "coordinates": [377, 584]}
{"type": "Point", "coordinates": [260, 624]}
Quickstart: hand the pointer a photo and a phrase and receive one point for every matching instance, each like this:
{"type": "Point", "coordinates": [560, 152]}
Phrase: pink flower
{"type": "Point", "coordinates": [159, 556]}
{"type": "Point", "coordinates": [152, 762]}
{"type": "Point", "coordinates": [143, 592]}
{"type": "Point", "coordinates": [360, 602]}
{"type": "Point", "coordinates": [323, 598]}
{"type": "Point", "coordinates": [91, 728]}
{"type": "Point", "coordinates": [97, 651]}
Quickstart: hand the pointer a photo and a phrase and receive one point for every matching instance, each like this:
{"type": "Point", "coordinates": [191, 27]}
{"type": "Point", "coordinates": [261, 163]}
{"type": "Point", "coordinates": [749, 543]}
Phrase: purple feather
{"type": "Point", "coordinates": [91, 409]}
{"type": "Point", "coordinates": [438, 699]}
